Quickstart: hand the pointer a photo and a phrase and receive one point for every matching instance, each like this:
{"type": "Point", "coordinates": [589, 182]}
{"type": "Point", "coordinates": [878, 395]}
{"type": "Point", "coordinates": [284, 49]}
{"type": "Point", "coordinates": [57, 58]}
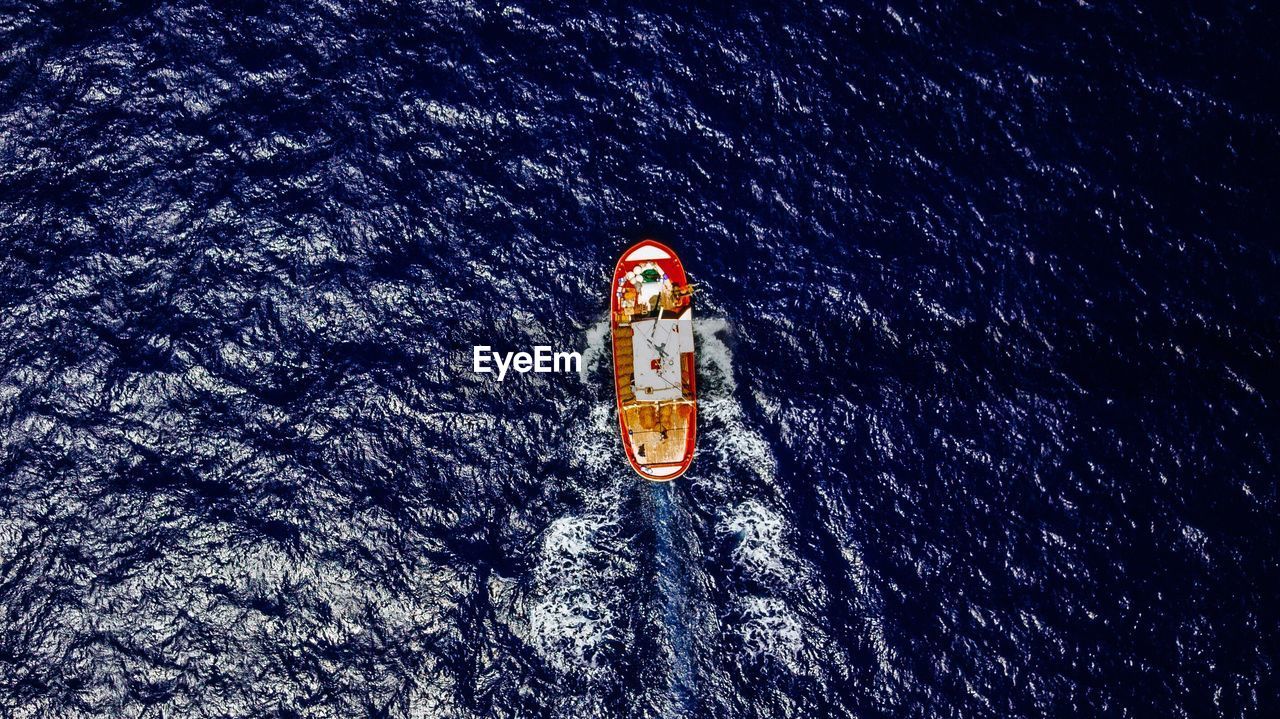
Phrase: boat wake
{"type": "Point", "coordinates": [769, 613]}
{"type": "Point", "coordinates": [596, 450]}
{"type": "Point", "coordinates": [571, 612]}
{"type": "Point", "coordinates": [676, 609]}
{"type": "Point", "coordinates": [597, 347]}
{"type": "Point", "coordinates": [572, 620]}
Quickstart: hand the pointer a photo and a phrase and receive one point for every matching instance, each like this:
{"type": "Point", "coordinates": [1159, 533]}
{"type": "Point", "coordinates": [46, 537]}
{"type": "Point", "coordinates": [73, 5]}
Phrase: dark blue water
{"type": "Point", "coordinates": [989, 317]}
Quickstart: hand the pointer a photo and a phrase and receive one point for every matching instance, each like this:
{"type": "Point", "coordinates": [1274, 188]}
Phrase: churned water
{"type": "Point", "coordinates": [988, 360]}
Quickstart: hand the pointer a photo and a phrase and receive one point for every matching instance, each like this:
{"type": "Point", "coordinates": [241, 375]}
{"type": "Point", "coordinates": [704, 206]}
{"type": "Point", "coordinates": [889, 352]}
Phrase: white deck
{"type": "Point", "coordinates": [656, 346]}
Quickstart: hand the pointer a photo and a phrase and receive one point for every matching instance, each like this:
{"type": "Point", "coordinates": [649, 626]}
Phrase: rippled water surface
{"type": "Point", "coordinates": [987, 357]}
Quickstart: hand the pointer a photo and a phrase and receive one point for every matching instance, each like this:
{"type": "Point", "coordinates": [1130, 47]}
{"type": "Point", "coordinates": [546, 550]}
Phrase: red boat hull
{"type": "Point", "coordinates": [665, 455]}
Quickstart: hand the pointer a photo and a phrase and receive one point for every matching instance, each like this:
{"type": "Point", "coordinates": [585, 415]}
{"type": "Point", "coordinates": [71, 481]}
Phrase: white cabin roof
{"type": "Point", "coordinates": [656, 345]}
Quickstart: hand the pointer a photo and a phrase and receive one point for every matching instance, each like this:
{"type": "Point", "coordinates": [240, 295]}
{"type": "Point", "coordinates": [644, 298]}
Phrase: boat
{"type": "Point", "coordinates": [653, 360]}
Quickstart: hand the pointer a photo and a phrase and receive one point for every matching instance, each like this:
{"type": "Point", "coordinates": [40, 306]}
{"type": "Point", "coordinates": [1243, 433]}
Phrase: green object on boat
{"type": "Point", "coordinates": [650, 275]}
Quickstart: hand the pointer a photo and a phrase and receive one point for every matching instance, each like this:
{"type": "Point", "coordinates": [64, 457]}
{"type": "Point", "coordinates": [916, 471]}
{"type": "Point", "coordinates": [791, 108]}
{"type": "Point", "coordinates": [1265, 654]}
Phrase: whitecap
{"type": "Point", "coordinates": [768, 629]}
{"type": "Point", "coordinates": [572, 616]}
{"type": "Point", "coordinates": [760, 549]}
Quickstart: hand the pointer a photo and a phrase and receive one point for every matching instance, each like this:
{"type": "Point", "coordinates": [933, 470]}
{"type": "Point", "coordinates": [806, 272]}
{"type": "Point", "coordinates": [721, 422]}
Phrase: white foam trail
{"type": "Point", "coordinates": [569, 610]}
{"type": "Point", "coordinates": [769, 628]}
{"type": "Point", "coordinates": [571, 614]}
{"type": "Point", "coordinates": [572, 617]}
{"type": "Point", "coordinates": [597, 337]}
{"type": "Point", "coordinates": [715, 361]}
{"type": "Point", "coordinates": [760, 531]}
{"type": "Point", "coordinates": [570, 632]}
{"type": "Point", "coordinates": [570, 539]}
{"type": "Point", "coordinates": [594, 445]}
{"type": "Point", "coordinates": [739, 466]}
{"type": "Point", "coordinates": [735, 443]}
